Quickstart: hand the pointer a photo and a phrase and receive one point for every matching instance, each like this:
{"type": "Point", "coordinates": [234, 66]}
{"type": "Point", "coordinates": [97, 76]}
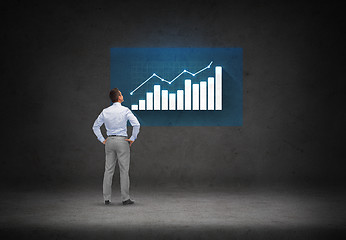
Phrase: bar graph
{"type": "Point", "coordinates": [203, 96]}
{"type": "Point", "coordinates": [192, 86]}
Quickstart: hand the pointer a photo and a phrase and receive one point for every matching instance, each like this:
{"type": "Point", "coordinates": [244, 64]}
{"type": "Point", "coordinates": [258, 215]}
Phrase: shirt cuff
{"type": "Point", "coordinates": [102, 139]}
{"type": "Point", "coordinates": [132, 138]}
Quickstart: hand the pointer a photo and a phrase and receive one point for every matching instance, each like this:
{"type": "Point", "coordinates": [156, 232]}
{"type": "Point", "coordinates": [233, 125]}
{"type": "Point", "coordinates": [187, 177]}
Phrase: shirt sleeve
{"type": "Point", "coordinates": [134, 123]}
{"type": "Point", "coordinates": [96, 127]}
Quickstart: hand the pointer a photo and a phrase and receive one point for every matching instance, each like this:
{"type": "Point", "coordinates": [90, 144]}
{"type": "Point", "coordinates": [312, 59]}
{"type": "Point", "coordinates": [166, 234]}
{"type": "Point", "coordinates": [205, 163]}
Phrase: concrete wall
{"type": "Point", "coordinates": [56, 81]}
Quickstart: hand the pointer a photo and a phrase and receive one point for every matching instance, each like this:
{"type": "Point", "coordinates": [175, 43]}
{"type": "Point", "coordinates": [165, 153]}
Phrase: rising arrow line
{"type": "Point", "coordinates": [170, 82]}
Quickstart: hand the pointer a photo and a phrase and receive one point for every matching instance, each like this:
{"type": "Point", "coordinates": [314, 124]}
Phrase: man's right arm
{"type": "Point", "coordinates": [96, 127]}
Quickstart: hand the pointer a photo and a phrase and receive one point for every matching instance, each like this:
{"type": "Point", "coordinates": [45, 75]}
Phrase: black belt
{"type": "Point", "coordinates": [115, 136]}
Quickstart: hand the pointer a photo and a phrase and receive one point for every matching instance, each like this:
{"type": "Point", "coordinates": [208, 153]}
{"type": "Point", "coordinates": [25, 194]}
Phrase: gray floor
{"type": "Point", "coordinates": [173, 213]}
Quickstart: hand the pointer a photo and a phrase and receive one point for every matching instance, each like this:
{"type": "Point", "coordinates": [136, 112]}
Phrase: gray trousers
{"type": "Point", "coordinates": [117, 149]}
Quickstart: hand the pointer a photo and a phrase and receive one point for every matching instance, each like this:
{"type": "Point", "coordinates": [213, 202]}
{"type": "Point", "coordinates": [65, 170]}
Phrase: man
{"type": "Point", "coordinates": [117, 145]}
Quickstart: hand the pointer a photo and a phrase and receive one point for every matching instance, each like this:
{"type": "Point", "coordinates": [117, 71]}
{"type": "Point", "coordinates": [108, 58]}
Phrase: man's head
{"type": "Point", "coordinates": [116, 96]}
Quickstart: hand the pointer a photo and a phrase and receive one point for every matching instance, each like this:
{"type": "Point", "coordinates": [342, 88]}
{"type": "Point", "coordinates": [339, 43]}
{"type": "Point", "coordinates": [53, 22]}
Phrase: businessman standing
{"type": "Point", "coordinates": [117, 144]}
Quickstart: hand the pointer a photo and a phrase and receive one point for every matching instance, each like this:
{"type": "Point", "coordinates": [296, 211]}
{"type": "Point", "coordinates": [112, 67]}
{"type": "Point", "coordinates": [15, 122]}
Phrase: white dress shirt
{"type": "Point", "coordinates": [115, 118]}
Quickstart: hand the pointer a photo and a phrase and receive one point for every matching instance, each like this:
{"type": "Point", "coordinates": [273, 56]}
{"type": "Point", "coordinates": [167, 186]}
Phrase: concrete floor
{"type": "Point", "coordinates": [173, 213]}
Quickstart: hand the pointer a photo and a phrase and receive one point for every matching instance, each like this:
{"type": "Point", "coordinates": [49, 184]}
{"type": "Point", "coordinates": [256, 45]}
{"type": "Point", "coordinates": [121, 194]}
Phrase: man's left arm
{"type": "Point", "coordinates": [135, 124]}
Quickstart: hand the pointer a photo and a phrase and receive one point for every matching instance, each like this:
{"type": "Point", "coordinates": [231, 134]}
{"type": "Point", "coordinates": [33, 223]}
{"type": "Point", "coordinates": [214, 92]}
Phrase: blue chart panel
{"type": "Point", "coordinates": [180, 86]}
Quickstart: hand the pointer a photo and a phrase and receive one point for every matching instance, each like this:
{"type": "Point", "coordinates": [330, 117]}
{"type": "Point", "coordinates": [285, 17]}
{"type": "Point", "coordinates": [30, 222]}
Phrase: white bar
{"type": "Point", "coordinates": [195, 96]}
{"type": "Point", "coordinates": [180, 100]}
{"type": "Point", "coordinates": [211, 93]}
{"type": "Point", "coordinates": [164, 100]}
{"type": "Point", "coordinates": [203, 96]}
{"type": "Point", "coordinates": [157, 97]}
{"type": "Point", "coordinates": [172, 101]}
{"type": "Point", "coordinates": [150, 96]}
{"type": "Point", "coordinates": [218, 88]}
{"type": "Point", "coordinates": [187, 94]}
{"type": "Point", "coordinates": [141, 104]}
{"type": "Point", "coordinates": [134, 107]}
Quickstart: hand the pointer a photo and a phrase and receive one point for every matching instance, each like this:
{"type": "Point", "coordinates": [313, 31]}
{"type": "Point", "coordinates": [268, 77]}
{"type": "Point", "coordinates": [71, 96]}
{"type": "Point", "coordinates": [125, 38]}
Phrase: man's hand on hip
{"type": "Point", "coordinates": [104, 142]}
{"type": "Point", "coordinates": [130, 141]}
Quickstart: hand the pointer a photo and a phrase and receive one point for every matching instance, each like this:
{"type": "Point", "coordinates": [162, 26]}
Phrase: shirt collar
{"type": "Point", "coordinates": [117, 103]}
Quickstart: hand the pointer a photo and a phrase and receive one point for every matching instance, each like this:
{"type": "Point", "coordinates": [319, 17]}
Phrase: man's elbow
{"type": "Point", "coordinates": [94, 128]}
{"type": "Point", "coordinates": [136, 127]}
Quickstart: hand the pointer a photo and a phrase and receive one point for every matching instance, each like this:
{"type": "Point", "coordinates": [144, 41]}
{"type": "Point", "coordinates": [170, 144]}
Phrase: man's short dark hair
{"type": "Point", "coordinates": [114, 94]}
